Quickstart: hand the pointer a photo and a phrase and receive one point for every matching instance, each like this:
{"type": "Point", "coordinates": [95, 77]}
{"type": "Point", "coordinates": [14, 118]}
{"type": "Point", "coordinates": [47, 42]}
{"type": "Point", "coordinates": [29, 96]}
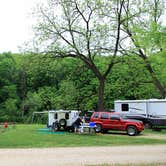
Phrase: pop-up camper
{"type": "Point", "coordinates": [62, 119]}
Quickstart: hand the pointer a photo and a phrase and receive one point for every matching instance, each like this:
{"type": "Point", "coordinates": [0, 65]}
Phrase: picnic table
{"type": "Point", "coordinates": [88, 128]}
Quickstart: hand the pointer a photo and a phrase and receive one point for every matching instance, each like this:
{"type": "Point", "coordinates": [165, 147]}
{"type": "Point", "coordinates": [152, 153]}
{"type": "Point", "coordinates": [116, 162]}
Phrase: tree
{"type": "Point", "coordinates": [8, 89]}
{"type": "Point", "coordinates": [130, 81]}
{"type": "Point", "coordinates": [143, 25]}
{"type": "Point", "coordinates": [82, 29]}
{"type": "Point", "coordinates": [66, 96]}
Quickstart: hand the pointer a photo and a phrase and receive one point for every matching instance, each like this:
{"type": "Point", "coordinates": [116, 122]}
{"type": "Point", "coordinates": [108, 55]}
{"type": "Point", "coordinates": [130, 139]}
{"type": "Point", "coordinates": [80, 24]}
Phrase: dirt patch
{"type": "Point", "coordinates": [154, 136]}
{"type": "Point", "coordinates": [83, 156]}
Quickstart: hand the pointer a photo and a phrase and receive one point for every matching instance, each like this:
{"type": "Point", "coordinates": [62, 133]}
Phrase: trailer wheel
{"type": "Point", "coordinates": [148, 125]}
{"type": "Point", "coordinates": [98, 128]}
{"type": "Point", "coordinates": [131, 130]}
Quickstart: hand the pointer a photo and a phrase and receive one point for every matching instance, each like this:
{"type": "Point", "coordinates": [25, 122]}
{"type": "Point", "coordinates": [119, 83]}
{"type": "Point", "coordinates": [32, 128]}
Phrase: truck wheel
{"type": "Point", "coordinates": [98, 128]}
{"type": "Point", "coordinates": [131, 130]}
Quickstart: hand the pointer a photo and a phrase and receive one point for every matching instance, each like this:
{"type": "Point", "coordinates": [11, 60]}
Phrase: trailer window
{"type": "Point", "coordinates": [67, 115]}
{"type": "Point", "coordinates": [125, 107]}
{"type": "Point", "coordinates": [56, 116]}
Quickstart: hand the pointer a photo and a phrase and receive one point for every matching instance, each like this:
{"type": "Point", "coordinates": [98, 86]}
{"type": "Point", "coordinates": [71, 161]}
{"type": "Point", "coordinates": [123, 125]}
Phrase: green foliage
{"type": "Point", "coordinates": [11, 109]}
{"type": "Point", "coordinates": [87, 30]}
{"type": "Point", "coordinates": [130, 80]}
{"type": "Point", "coordinates": [66, 96]}
{"type": "Point", "coordinates": [33, 102]}
{"type": "Point", "coordinates": [157, 61]}
{"type": "Point", "coordinates": [47, 95]}
{"type": "Point", "coordinates": [151, 39]}
{"type": "Point", "coordinates": [8, 88]}
{"type": "Point", "coordinates": [34, 83]}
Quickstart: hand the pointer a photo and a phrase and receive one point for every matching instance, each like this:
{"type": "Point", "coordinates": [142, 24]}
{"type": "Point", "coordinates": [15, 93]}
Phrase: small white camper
{"type": "Point", "coordinates": [58, 119]}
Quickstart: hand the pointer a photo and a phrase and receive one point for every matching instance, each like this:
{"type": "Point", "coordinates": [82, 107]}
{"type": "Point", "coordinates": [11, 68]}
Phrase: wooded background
{"type": "Point", "coordinates": [34, 82]}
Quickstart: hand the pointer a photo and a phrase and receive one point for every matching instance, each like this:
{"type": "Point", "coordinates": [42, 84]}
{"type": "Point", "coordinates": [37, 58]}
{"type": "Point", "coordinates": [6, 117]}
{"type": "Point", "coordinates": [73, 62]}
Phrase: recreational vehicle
{"type": "Point", "coordinates": [152, 111]}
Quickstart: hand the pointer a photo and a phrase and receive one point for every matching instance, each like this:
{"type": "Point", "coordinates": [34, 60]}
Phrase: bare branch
{"type": "Point", "coordinates": [119, 10]}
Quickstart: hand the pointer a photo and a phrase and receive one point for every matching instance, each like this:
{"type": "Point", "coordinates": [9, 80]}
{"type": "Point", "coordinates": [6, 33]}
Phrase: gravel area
{"type": "Point", "coordinates": [81, 156]}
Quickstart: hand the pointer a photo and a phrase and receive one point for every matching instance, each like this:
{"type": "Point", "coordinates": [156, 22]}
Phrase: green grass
{"type": "Point", "coordinates": [28, 136]}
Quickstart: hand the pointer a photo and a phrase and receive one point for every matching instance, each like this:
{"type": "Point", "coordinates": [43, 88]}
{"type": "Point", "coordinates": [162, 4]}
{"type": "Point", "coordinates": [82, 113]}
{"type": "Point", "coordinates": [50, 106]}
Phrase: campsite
{"type": "Point", "coordinates": [33, 136]}
{"type": "Point", "coordinates": [35, 144]}
{"type": "Point", "coordinates": [83, 82]}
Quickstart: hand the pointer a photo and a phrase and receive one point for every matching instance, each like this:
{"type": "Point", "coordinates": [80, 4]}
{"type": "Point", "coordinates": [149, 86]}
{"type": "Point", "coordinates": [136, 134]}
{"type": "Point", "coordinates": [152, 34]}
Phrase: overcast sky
{"type": "Point", "coordinates": [15, 23]}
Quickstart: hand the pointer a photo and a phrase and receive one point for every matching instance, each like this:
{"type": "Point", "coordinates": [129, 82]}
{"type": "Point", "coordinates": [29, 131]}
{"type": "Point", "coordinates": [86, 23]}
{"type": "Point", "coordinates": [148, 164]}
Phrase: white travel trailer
{"type": "Point", "coordinates": [148, 108]}
{"type": "Point", "coordinates": [152, 111]}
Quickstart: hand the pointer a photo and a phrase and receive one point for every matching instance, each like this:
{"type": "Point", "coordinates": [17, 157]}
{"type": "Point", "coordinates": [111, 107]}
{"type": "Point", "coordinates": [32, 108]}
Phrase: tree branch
{"type": "Point", "coordinates": [119, 12]}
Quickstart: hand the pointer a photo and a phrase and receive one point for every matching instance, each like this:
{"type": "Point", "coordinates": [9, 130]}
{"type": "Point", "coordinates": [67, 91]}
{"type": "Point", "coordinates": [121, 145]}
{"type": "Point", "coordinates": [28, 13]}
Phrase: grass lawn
{"type": "Point", "coordinates": [28, 136]}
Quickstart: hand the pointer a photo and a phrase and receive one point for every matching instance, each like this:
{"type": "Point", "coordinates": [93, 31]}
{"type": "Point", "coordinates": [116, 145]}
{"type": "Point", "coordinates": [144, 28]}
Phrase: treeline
{"type": "Point", "coordinates": [34, 82]}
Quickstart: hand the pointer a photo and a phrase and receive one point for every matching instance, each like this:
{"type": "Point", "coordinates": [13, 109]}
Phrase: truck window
{"type": "Point", "coordinates": [104, 116]}
{"type": "Point", "coordinates": [96, 115]}
{"type": "Point", "coordinates": [114, 117]}
{"type": "Point", "coordinates": [125, 107]}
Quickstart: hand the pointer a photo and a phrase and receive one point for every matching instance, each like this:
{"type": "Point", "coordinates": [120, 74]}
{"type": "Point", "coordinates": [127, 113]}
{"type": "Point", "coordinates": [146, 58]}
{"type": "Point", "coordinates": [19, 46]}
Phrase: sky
{"type": "Point", "coordinates": [15, 23]}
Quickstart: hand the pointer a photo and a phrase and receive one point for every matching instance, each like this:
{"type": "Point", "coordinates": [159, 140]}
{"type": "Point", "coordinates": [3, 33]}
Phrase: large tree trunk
{"type": "Point", "coordinates": [101, 94]}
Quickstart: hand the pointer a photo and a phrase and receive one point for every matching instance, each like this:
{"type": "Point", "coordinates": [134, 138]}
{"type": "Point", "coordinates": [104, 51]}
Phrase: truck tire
{"type": "Point", "coordinates": [131, 130]}
{"type": "Point", "coordinates": [98, 128]}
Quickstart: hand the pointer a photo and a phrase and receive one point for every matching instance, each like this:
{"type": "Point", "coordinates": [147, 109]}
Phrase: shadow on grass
{"type": "Point", "coordinates": [116, 133]}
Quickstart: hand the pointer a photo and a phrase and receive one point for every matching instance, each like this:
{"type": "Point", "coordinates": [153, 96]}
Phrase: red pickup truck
{"type": "Point", "coordinates": [115, 121]}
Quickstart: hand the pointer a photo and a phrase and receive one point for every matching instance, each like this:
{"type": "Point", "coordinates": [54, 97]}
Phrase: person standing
{"type": "Point", "coordinates": [77, 124]}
